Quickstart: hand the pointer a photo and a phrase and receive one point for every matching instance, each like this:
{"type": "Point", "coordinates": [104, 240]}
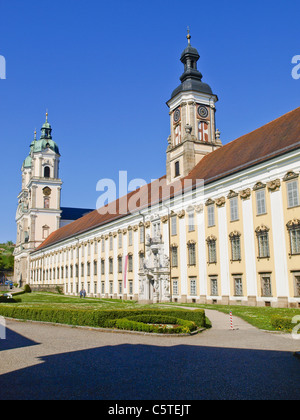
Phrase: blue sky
{"type": "Point", "coordinates": [104, 71]}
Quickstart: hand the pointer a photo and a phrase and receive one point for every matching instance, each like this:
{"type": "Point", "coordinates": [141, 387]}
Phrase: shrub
{"type": "Point", "coordinates": [108, 318]}
{"type": "Point", "coordinates": [6, 299]}
{"type": "Point", "coordinates": [27, 288]}
{"type": "Point", "coordinates": [281, 323]}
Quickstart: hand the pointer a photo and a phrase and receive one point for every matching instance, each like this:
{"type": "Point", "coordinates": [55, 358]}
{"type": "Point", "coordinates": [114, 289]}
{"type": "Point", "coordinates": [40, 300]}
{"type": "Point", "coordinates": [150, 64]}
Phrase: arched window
{"type": "Point", "coordinates": [46, 172]}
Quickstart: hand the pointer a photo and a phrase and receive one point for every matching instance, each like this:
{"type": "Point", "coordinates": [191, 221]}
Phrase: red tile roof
{"type": "Point", "coordinates": [274, 139]}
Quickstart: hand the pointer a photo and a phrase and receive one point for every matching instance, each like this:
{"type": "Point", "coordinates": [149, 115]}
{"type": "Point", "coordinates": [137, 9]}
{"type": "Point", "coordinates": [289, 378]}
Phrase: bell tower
{"type": "Point", "coordinates": [192, 119]}
{"type": "Point", "coordinates": [38, 213]}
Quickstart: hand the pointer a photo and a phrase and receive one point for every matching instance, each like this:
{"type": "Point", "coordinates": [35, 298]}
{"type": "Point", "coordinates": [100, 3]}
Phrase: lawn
{"type": "Point", "coordinates": [259, 317]}
{"type": "Point", "coordinates": [53, 300]}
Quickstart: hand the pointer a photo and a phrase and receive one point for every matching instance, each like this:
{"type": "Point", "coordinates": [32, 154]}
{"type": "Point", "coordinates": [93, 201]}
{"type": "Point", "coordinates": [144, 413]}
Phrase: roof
{"type": "Point", "coordinates": [70, 213]}
{"type": "Point", "coordinates": [274, 139]}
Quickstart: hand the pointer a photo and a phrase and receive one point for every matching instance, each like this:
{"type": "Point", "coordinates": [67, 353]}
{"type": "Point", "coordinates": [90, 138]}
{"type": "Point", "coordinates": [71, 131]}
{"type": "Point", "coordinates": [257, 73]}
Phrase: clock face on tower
{"type": "Point", "coordinates": [176, 115]}
{"type": "Point", "coordinates": [202, 111]}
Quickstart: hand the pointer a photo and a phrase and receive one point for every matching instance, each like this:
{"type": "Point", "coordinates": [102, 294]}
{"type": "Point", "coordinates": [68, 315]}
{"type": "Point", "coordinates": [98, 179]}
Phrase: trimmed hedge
{"type": "Point", "coordinates": [97, 318]}
{"type": "Point", "coordinates": [145, 323]}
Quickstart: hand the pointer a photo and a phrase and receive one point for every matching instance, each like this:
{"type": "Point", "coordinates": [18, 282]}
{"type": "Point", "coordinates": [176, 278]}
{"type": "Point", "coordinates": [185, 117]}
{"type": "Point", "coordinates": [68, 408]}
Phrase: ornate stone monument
{"type": "Point", "coordinates": [154, 274]}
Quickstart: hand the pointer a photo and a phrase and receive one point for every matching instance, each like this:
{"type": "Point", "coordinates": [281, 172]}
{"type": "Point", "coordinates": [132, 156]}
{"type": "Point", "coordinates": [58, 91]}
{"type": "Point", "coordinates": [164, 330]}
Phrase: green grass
{"type": "Point", "coordinates": [53, 300]}
{"type": "Point", "coordinates": [259, 317]}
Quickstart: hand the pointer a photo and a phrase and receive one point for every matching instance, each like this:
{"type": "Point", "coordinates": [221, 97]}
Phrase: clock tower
{"type": "Point", "coordinates": [192, 117]}
{"type": "Point", "coordinates": [39, 212]}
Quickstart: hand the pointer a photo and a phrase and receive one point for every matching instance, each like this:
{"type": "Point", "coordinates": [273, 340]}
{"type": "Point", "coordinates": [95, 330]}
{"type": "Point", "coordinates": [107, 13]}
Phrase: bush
{"type": "Point", "coordinates": [6, 299]}
{"type": "Point", "coordinates": [105, 318]}
{"type": "Point", "coordinates": [145, 323]}
{"type": "Point", "coordinates": [281, 323]}
{"type": "Point", "coordinates": [27, 288]}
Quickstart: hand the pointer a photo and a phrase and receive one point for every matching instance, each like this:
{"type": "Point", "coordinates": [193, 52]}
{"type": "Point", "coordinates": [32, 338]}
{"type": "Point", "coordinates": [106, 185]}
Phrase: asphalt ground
{"type": "Point", "coordinates": [47, 362]}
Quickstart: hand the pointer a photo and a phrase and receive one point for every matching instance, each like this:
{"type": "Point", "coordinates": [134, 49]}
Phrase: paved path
{"type": "Point", "coordinates": [41, 361]}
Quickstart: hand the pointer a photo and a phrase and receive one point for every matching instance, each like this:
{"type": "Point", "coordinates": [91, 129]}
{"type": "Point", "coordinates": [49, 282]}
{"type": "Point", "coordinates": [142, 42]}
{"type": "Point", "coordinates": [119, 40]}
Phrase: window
{"type": "Point", "coordinates": [46, 202]}
{"type": "Point", "coordinates": [88, 268]}
{"type": "Point", "coordinates": [120, 287]}
{"type": "Point", "coordinates": [110, 243]}
{"type": "Point", "coordinates": [238, 286]}
{"type": "Point", "coordinates": [211, 215]}
{"type": "Point", "coordinates": [130, 287]}
{"type": "Point", "coordinates": [142, 234]}
{"type": "Point", "coordinates": [46, 172]}
{"type": "Point", "coordinates": [294, 233]}
{"type": "Point", "coordinates": [292, 194]}
{"type": "Point", "coordinates": [192, 253]}
{"type": "Point", "coordinates": [175, 286]}
{"type": "Point", "coordinates": [130, 263]}
{"type": "Point", "coordinates": [102, 267]}
{"type": "Point", "coordinates": [297, 284]}
{"type": "Point", "coordinates": [174, 254]}
{"type": "Point", "coordinates": [103, 245]}
{"type": "Point", "coordinates": [193, 286]}
{"type": "Point", "coordinates": [111, 287]}
{"type": "Point", "coordinates": [177, 135]}
{"type": "Point", "coordinates": [102, 287]}
{"type": "Point", "coordinates": [120, 264]}
{"type": "Point", "coordinates": [177, 169]}
{"type": "Point", "coordinates": [261, 202]}
{"type": "Point", "coordinates": [76, 270]}
{"type": "Point", "coordinates": [263, 242]}
{"type": "Point", "coordinates": [214, 286]}
{"type": "Point", "coordinates": [45, 232]}
{"type": "Point", "coordinates": [82, 269]}
{"type": "Point", "coordinates": [95, 268]}
{"type": "Point", "coordinates": [120, 239]}
{"type": "Point", "coordinates": [203, 131]}
{"type": "Point", "coordinates": [130, 237]}
{"type": "Point", "coordinates": [266, 287]}
{"type": "Point", "coordinates": [235, 246]}
{"type": "Point", "coordinates": [234, 212]}
{"type": "Point", "coordinates": [212, 249]}
{"type": "Point", "coordinates": [111, 266]}
{"type": "Point", "coordinates": [191, 222]}
{"type": "Point", "coordinates": [174, 225]}
{"type": "Point", "coordinates": [156, 229]}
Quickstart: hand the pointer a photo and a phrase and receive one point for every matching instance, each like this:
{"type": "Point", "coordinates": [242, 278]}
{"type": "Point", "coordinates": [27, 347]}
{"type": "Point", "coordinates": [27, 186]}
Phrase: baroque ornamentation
{"type": "Point", "coordinates": [245, 194]}
{"type": "Point", "coordinates": [220, 202]}
{"type": "Point", "coordinates": [274, 185]}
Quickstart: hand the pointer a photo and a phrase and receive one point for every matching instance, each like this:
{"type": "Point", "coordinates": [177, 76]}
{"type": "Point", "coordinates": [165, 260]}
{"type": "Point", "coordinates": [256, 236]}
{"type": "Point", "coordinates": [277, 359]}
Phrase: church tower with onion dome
{"type": "Point", "coordinates": [39, 211]}
{"type": "Point", "coordinates": [192, 114]}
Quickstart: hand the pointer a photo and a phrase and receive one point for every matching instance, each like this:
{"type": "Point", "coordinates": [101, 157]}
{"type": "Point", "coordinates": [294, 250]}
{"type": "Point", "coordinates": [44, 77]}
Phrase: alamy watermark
{"type": "Point", "coordinates": [2, 328]}
{"type": "Point", "coordinates": [296, 68]}
{"type": "Point", "coordinates": [137, 195]}
{"type": "Point", "coordinates": [2, 67]}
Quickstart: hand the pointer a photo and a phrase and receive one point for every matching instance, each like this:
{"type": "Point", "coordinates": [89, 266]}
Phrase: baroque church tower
{"type": "Point", "coordinates": [192, 114]}
{"type": "Point", "coordinates": [39, 211]}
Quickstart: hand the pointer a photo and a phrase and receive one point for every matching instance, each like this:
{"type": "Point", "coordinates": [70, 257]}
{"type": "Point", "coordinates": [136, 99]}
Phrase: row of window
{"type": "Point", "coordinates": [261, 205]}
{"type": "Point", "coordinates": [262, 234]}
{"type": "Point", "coordinates": [265, 283]}
{"type": "Point", "coordinates": [93, 288]}
{"type": "Point", "coordinates": [235, 241]}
